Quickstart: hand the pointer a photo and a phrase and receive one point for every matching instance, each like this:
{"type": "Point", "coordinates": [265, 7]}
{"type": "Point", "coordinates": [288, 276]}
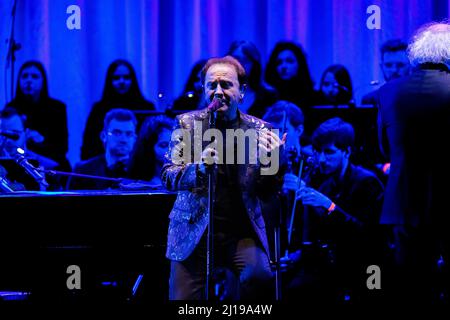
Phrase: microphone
{"type": "Point", "coordinates": [10, 135]}
{"type": "Point", "coordinates": [215, 104]}
{"type": "Point", "coordinates": [30, 169]}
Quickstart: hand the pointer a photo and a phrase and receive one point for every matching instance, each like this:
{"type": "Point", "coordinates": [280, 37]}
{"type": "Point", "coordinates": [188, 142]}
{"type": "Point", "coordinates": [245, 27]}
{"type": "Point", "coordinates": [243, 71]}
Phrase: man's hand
{"type": "Point", "coordinates": [292, 182]}
{"type": "Point", "coordinates": [268, 141]}
{"type": "Point", "coordinates": [210, 156]}
{"type": "Point", "coordinates": [177, 155]}
{"type": "Point", "coordinates": [34, 136]}
{"type": "Point", "coordinates": [312, 197]}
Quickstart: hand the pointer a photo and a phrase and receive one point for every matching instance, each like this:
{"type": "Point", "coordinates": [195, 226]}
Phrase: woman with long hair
{"type": "Point", "coordinates": [335, 86]}
{"type": "Point", "coordinates": [192, 96]}
{"type": "Point", "coordinates": [258, 95]}
{"type": "Point", "coordinates": [153, 142]}
{"type": "Point", "coordinates": [46, 117]}
{"type": "Point", "coordinates": [288, 72]}
{"type": "Point", "coordinates": [121, 90]}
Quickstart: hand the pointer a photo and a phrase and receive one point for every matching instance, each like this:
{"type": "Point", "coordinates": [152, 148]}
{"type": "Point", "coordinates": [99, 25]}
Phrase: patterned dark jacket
{"type": "Point", "coordinates": [189, 216]}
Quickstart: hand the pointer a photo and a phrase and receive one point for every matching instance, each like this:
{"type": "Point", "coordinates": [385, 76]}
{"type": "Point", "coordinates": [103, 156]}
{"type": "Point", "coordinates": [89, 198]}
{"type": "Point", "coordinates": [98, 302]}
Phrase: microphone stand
{"type": "Point", "coordinates": [141, 184]}
{"type": "Point", "coordinates": [5, 185]}
{"type": "Point", "coordinates": [79, 175]}
{"type": "Point", "coordinates": [277, 240]}
{"type": "Point", "coordinates": [210, 238]}
{"type": "Point", "coordinates": [277, 236]}
{"type": "Point", "coordinates": [13, 46]}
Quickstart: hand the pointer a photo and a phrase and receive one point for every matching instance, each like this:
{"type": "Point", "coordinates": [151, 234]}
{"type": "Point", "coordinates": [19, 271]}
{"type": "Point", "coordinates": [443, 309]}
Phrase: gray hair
{"type": "Point", "coordinates": [430, 44]}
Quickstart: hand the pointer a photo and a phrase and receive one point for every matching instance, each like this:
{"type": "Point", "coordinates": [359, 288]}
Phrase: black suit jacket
{"type": "Point", "coordinates": [370, 98]}
{"type": "Point", "coordinates": [96, 167]}
{"type": "Point", "coordinates": [92, 145]}
{"type": "Point", "coordinates": [415, 119]}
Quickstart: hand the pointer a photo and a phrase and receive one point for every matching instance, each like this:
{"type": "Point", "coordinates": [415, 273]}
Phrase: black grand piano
{"type": "Point", "coordinates": [116, 238]}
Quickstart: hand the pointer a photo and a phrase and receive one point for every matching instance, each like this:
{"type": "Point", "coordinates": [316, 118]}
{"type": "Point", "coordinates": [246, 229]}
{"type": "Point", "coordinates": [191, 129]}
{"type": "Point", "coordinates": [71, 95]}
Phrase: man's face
{"type": "Point", "coordinates": [330, 159]}
{"type": "Point", "coordinates": [221, 81]}
{"type": "Point", "coordinates": [395, 65]}
{"type": "Point", "coordinates": [13, 125]}
{"type": "Point", "coordinates": [31, 81]}
{"type": "Point", "coordinates": [287, 65]}
{"type": "Point", "coordinates": [119, 138]}
{"type": "Point", "coordinates": [162, 145]}
{"type": "Point", "coordinates": [121, 79]}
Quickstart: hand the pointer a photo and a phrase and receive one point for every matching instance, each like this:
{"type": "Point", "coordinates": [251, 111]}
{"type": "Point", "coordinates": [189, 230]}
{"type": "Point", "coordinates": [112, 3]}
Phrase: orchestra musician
{"type": "Point", "coordinates": [343, 203]}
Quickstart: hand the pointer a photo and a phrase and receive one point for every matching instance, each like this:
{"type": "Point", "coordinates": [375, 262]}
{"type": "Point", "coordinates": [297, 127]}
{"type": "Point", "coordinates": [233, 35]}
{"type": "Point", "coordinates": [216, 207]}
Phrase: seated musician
{"type": "Point", "coordinates": [335, 87]}
{"type": "Point", "coordinates": [343, 203]}
{"type": "Point", "coordinates": [13, 125]}
{"type": "Point", "coordinates": [118, 137]}
{"type": "Point", "coordinates": [287, 117]}
{"type": "Point", "coordinates": [13, 136]}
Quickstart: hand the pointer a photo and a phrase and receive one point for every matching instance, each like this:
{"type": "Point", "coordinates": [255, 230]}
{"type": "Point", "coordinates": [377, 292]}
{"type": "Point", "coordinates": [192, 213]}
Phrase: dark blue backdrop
{"type": "Point", "coordinates": [163, 38]}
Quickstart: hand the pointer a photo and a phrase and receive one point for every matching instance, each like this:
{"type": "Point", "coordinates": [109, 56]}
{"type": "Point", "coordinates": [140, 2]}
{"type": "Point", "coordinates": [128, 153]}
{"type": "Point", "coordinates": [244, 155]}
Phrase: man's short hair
{"type": "Point", "coordinates": [334, 131]}
{"type": "Point", "coordinates": [393, 45]}
{"type": "Point", "coordinates": [242, 77]}
{"type": "Point", "coordinates": [119, 115]}
{"type": "Point", "coordinates": [277, 111]}
{"type": "Point", "coordinates": [430, 44]}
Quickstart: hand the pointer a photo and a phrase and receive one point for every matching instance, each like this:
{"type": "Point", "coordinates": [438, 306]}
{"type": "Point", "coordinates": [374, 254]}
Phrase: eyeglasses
{"type": "Point", "coordinates": [12, 131]}
{"type": "Point", "coordinates": [118, 133]}
{"type": "Point", "coordinates": [11, 134]}
{"type": "Point", "coordinates": [398, 65]}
